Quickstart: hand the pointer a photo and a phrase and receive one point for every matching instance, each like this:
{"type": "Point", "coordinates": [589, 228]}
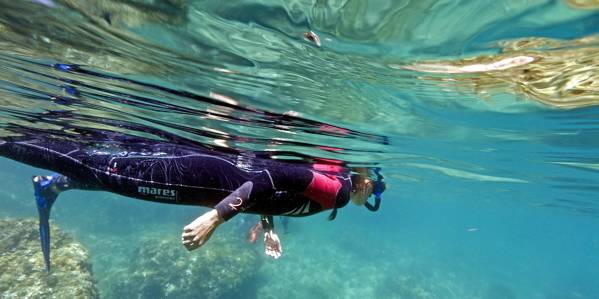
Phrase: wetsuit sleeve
{"type": "Point", "coordinates": [267, 222]}
{"type": "Point", "coordinates": [236, 201]}
{"type": "Point", "coordinates": [261, 188]}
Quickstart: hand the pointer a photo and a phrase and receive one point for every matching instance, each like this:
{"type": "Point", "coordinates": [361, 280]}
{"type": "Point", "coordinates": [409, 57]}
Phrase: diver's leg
{"type": "Point", "coordinates": [46, 190]}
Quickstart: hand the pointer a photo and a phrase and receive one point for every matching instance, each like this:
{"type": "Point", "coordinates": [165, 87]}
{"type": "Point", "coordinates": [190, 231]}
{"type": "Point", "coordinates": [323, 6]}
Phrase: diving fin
{"type": "Point", "coordinates": [45, 195]}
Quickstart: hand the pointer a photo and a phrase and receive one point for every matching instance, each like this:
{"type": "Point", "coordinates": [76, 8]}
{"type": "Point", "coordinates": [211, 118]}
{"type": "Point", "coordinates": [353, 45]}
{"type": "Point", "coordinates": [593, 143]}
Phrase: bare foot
{"type": "Point", "coordinates": [199, 231]}
{"type": "Point", "coordinates": [272, 244]}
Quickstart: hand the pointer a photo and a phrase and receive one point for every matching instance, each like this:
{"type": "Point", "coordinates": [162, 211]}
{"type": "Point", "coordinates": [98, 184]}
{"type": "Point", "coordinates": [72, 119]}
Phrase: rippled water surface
{"type": "Point", "coordinates": [482, 115]}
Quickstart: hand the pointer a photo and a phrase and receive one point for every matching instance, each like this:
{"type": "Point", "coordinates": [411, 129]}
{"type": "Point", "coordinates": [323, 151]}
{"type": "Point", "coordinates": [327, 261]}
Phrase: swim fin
{"type": "Point", "coordinates": [45, 195]}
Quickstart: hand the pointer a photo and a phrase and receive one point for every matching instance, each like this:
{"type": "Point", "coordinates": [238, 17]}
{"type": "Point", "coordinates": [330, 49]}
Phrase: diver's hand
{"type": "Point", "coordinates": [272, 244]}
{"type": "Point", "coordinates": [199, 231]}
{"type": "Point", "coordinates": [253, 233]}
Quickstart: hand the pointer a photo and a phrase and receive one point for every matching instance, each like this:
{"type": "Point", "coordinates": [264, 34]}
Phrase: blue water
{"type": "Point", "coordinates": [492, 190]}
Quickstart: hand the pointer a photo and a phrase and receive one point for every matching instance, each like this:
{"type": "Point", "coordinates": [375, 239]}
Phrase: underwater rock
{"type": "Point", "coordinates": [162, 268]}
{"type": "Point", "coordinates": [24, 274]}
{"type": "Point", "coordinates": [583, 4]}
{"type": "Point", "coordinates": [558, 73]}
{"type": "Point", "coordinates": [50, 32]}
{"type": "Point", "coordinates": [131, 13]}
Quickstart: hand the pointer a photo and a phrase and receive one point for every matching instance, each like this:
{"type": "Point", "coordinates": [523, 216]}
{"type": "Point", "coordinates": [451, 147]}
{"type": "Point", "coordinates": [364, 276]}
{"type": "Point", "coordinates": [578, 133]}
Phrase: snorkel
{"type": "Point", "coordinates": [379, 188]}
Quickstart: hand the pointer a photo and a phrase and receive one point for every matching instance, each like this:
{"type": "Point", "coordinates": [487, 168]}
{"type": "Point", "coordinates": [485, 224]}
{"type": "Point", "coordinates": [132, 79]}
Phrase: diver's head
{"type": "Point", "coordinates": [363, 187]}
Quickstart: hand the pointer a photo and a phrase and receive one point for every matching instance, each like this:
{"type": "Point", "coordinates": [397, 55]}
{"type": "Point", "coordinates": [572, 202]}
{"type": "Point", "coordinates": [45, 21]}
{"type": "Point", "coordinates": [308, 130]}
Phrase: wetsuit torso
{"type": "Point", "coordinates": [175, 174]}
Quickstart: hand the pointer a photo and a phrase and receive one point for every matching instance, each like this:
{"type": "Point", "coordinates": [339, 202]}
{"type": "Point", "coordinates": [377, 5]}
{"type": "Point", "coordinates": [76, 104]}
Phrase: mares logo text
{"type": "Point", "coordinates": [157, 192]}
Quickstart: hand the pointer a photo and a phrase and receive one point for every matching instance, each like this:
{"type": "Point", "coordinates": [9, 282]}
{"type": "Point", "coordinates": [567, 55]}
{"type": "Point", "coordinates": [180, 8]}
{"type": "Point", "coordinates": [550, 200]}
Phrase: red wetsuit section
{"type": "Point", "coordinates": [327, 167]}
{"type": "Point", "coordinates": [323, 189]}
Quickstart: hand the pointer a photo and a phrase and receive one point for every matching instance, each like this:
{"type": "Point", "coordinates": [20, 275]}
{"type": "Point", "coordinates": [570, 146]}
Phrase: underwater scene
{"type": "Point", "coordinates": [481, 117]}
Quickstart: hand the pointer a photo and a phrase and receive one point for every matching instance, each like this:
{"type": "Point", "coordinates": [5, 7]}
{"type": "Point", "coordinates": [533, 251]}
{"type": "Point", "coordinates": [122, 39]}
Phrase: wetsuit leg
{"type": "Point", "coordinates": [64, 183]}
{"type": "Point", "coordinates": [55, 155]}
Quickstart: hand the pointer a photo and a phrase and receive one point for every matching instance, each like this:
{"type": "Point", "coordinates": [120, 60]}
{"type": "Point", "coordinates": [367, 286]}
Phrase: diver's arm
{"type": "Point", "coordinates": [267, 222]}
{"type": "Point", "coordinates": [240, 200]}
{"type": "Point", "coordinates": [236, 202]}
{"type": "Point", "coordinates": [262, 187]}
{"type": "Point", "coordinates": [272, 244]}
{"type": "Point", "coordinates": [199, 231]}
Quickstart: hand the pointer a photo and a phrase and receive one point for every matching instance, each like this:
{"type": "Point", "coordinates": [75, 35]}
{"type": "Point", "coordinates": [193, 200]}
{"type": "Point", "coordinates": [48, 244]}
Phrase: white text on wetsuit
{"type": "Point", "coordinates": [157, 192]}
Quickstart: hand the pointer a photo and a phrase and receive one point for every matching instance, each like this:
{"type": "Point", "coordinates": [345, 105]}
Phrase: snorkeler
{"type": "Point", "coordinates": [178, 174]}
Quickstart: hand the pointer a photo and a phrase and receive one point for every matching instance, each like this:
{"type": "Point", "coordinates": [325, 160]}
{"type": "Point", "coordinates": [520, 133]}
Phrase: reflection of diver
{"type": "Point", "coordinates": [168, 173]}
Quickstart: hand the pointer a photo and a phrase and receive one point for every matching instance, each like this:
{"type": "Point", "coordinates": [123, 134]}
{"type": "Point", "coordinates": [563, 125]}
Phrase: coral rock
{"type": "Point", "coordinates": [164, 269]}
{"type": "Point", "coordinates": [24, 274]}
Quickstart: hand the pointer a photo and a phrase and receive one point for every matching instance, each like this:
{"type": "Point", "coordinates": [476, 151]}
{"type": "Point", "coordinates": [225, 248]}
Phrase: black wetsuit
{"type": "Point", "coordinates": [175, 174]}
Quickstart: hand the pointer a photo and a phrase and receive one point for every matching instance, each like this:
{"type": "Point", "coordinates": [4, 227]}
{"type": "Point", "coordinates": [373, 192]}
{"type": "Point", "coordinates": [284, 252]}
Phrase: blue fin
{"type": "Point", "coordinates": [44, 197]}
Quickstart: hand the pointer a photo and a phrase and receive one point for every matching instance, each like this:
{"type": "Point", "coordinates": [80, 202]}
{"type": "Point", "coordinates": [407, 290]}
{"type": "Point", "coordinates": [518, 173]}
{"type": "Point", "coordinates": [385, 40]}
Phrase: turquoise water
{"type": "Point", "coordinates": [492, 191]}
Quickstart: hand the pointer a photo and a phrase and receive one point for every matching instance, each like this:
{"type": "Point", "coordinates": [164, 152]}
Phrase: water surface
{"type": "Point", "coordinates": [482, 116]}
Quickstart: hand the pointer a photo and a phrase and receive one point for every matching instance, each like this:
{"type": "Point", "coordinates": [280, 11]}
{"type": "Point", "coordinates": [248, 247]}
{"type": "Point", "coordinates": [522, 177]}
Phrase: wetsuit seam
{"type": "Point", "coordinates": [300, 210]}
{"type": "Point", "coordinates": [188, 156]}
{"type": "Point", "coordinates": [270, 178]}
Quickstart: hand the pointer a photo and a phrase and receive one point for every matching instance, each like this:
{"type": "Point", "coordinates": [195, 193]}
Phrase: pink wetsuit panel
{"type": "Point", "coordinates": [327, 167]}
{"type": "Point", "coordinates": [323, 190]}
